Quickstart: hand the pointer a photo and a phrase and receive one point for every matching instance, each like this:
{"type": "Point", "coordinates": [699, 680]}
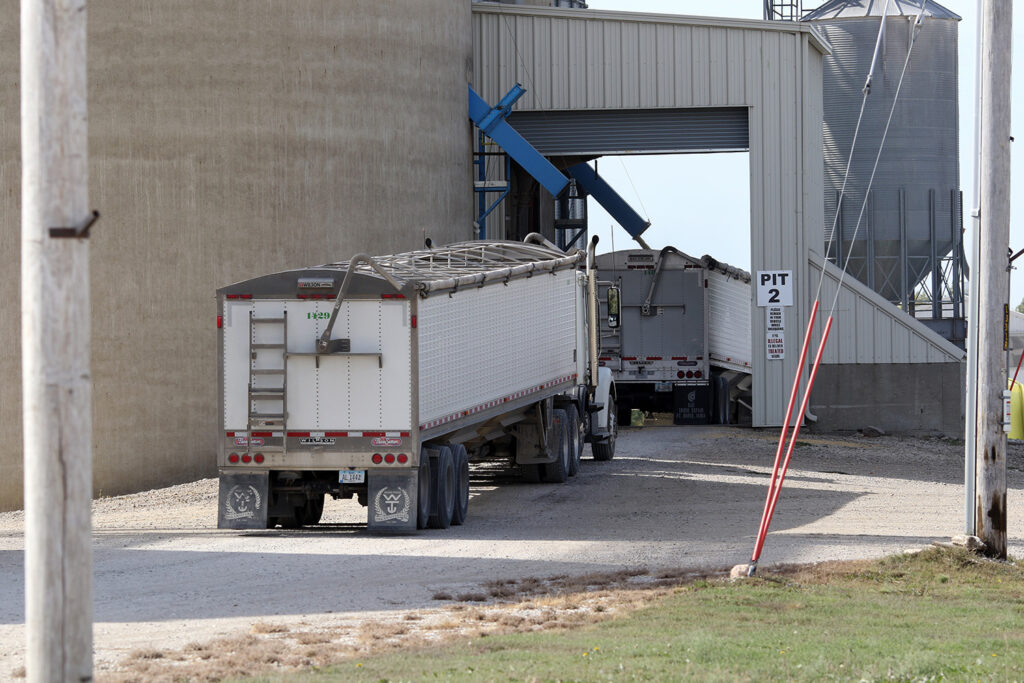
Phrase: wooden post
{"type": "Point", "coordinates": [55, 342]}
{"type": "Point", "coordinates": [990, 282]}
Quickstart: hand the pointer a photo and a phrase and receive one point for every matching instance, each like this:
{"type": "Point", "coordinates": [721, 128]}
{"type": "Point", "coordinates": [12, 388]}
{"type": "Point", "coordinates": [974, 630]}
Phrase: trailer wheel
{"type": "Point", "coordinates": [558, 471]}
{"type": "Point", "coordinates": [606, 450]}
{"type": "Point", "coordinates": [461, 461]}
{"type": "Point", "coordinates": [577, 435]}
{"type": "Point", "coordinates": [443, 473]}
{"type": "Point", "coordinates": [424, 491]}
{"type": "Point", "coordinates": [314, 510]}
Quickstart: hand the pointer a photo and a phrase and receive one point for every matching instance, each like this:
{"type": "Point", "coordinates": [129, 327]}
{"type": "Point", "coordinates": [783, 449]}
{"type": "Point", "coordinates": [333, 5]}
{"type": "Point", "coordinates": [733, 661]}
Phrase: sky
{"type": "Point", "coordinates": [700, 203]}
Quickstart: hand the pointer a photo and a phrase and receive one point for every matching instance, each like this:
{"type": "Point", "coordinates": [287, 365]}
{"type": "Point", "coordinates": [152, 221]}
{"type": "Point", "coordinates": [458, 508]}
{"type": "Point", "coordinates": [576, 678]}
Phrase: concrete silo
{"type": "Point", "coordinates": [908, 245]}
{"type": "Point", "coordinates": [227, 139]}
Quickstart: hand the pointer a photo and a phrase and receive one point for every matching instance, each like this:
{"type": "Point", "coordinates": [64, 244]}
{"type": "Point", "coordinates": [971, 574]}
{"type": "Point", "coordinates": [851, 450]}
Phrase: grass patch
{"type": "Point", "coordinates": [937, 614]}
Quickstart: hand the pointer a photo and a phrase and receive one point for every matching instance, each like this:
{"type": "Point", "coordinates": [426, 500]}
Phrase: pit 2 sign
{"type": "Point", "coordinates": [774, 292]}
{"type": "Point", "coordinates": [775, 288]}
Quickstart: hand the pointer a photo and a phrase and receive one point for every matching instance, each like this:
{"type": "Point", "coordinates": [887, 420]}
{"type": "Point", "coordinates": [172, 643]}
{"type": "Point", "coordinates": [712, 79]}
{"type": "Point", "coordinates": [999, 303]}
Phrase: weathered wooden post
{"type": "Point", "coordinates": [990, 283]}
{"type": "Point", "coordinates": [55, 341]}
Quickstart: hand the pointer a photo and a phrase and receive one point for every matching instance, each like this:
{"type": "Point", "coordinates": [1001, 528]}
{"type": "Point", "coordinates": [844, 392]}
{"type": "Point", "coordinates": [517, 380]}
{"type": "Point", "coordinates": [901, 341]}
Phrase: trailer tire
{"type": "Point", "coordinates": [461, 460]}
{"type": "Point", "coordinates": [557, 472]}
{"type": "Point", "coordinates": [424, 491]}
{"type": "Point", "coordinates": [443, 473]}
{"type": "Point", "coordinates": [577, 436]}
{"type": "Point", "coordinates": [314, 510]}
{"type": "Point", "coordinates": [605, 450]}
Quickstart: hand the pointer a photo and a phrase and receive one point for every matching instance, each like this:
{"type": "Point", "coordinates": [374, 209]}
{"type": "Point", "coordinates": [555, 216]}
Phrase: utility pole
{"type": "Point", "coordinates": [990, 439]}
{"type": "Point", "coordinates": [55, 341]}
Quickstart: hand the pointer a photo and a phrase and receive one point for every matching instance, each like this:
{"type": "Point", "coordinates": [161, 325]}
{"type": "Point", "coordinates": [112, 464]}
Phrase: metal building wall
{"type": "Point", "coordinates": [870, 330]}
{"type": "Point", "coordinates": [228, 139]}
{"type": "Point", "coordinates": [612, 60]}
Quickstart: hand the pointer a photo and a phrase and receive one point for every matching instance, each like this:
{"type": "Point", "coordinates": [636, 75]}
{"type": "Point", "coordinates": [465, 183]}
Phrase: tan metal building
{"type": "Point", "coordinates": [230, 139]}
{"type": "Point", "coordinates": [627, 83]}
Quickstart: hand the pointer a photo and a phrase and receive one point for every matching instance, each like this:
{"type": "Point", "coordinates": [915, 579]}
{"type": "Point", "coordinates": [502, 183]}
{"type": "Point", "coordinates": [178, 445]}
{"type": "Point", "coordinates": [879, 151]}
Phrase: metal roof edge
{"type": "Point", "coordinates": [817, 39]}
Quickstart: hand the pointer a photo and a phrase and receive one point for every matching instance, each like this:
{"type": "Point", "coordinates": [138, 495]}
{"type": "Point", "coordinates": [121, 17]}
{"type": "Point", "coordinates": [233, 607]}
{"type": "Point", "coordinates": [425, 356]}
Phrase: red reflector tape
{"type": "Point", "coordinates": [373, 433]}
{"type": "Point", "coordinates": [414, 321]}
{"type": "Point", "coordinates": [262, 433]}
{"type": "Point", "coordinates": [678, 357]}
{"type": "Point", "coordinates": [335, 434]}
{"type": "Point", "coordinates": [392, 296]}
{"type": "Point", "coordinates": [232, 296]}
{"type": "Point", "coordinates": [653, 357]}
{"type": "Point", "coordinates": [404, 434]}
{"type": "Point", "coordinates": [629, 358]}
{"type": "Point", "coordinates": [605, 358]}
{"type": "Point", "coordinates": [245, 296]}
{"type": "Point", "coordinates": [293, 434]}
{"type": "Point", "coordinates": [231, 433]}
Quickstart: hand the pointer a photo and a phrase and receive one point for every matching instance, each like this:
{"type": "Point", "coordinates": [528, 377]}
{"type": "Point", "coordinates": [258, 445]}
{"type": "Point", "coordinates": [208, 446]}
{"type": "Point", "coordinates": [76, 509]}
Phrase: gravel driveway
{"type": "Point", "coordinates": [672, 497]}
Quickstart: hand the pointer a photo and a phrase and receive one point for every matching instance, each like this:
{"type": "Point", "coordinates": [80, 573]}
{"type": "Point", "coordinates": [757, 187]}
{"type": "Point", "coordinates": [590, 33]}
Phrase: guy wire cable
{"type": "Point", "coordinates": [775, 489]}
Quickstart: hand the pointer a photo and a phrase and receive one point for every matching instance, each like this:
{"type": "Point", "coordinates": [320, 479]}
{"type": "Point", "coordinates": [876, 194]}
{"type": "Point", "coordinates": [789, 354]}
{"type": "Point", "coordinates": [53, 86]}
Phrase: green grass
{"type": "Point", "coordinates": [938, 615]}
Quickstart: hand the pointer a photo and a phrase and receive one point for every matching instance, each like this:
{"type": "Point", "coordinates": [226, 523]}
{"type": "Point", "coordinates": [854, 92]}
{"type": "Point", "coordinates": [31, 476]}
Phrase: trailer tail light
{"type": "Point", "coordinates": [403, 458]}
{"type": "Point", "coordinates": [680, 374]}
{"type": "Point", "coordinates": [698, 374]}
{"type": "Point", "coordinates": [220, 321]}
{"type": "Point", "coordinates": [247, 458]}
{"type": "Point", "coordinates": [414, 322]}
{"type": "Point", "coordinates": [258, 458]}
{"type": "Point", "coordinates": [377, 458]}
{"type": "Point", "coordinates": [389, 458]}
{"type": "Point", "coordinates": [689, 374]}
{"type": "Point", "coordinates": [233, 458]}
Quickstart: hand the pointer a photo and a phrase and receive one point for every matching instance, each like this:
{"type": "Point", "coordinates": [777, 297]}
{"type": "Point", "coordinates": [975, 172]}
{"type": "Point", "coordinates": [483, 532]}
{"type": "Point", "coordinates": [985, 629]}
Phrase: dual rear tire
{"type": "Point", "coordinates": [443, 487]}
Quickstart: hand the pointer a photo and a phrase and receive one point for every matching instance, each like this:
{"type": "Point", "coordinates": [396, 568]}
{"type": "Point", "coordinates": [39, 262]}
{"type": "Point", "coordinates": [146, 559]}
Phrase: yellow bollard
{"type": "Point", "coordinates": [1016, 411]}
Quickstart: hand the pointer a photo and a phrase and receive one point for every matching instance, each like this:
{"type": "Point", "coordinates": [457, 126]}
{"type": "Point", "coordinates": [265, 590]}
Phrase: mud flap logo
{"type": "Point", "coordinates": [242, 502]}
{"type": "Point", "coordinates": [392, 504]}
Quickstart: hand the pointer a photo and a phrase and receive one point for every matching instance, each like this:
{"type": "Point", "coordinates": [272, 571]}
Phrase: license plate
{"type": "Point", "coordinates": [352, 476]}
{"type": "Point", "coordinates": [663, 386]}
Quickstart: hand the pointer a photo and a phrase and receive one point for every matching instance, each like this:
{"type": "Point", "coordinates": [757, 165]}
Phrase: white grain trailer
{"type": "Point", "coordinates": [682, 344]}
{"type": "Point", "coordinates": [380, 378]}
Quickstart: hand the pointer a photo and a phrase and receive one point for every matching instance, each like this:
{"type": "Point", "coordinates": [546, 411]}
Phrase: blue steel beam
{"type": "Point", "coordinates": [607, 197]}
{"type": "Point", "coordinates": [532, 161]}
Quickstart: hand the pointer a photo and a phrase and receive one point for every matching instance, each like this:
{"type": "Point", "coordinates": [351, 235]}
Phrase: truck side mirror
{"type": "Point", "coordinates": [613, 307]}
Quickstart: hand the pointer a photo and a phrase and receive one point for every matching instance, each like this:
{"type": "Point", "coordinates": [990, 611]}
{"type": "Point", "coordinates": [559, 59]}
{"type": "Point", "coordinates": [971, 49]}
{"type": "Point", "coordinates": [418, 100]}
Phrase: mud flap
{"type": "Point", "coordinates": [392, 501]}
{"type": "Point", "coordinates": [243, 500]}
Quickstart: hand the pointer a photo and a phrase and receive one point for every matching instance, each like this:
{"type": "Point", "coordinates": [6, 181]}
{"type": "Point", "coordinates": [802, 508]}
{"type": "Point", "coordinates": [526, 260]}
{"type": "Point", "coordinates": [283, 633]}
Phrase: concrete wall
{"type": "Point", "coordinates": [909, 398]}
{"type": "Point", "coordinates": [230, 138]}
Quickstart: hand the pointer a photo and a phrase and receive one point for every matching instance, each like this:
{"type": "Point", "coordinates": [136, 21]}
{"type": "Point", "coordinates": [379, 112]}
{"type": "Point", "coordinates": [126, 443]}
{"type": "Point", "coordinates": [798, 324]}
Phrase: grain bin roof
{"type": "Point", "coordinates": [854, 9]}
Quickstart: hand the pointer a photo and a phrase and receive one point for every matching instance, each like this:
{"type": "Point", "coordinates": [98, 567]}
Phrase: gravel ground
{"type": "Point", "coordinates": [673, 497]}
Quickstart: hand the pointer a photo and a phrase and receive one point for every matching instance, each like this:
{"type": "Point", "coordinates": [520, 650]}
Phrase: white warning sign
{"type": "Point", "coordinates": [775, 344]}
{"type": "Point", "coordinates": [775, 288]}
{"type": "Point", "coordinates": [775, 318]}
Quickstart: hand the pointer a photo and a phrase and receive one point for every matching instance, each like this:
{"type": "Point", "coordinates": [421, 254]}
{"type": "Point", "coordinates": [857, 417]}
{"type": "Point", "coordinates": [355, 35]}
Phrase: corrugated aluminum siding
{"type": "Point", "coordinates": [868, 329]}
{"type": "Point", "coordinates": [624, 131]}
{"type": "Point", "coordinates": [583, 59]}
{"type": "Point", "coordinates": [729, 321]}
